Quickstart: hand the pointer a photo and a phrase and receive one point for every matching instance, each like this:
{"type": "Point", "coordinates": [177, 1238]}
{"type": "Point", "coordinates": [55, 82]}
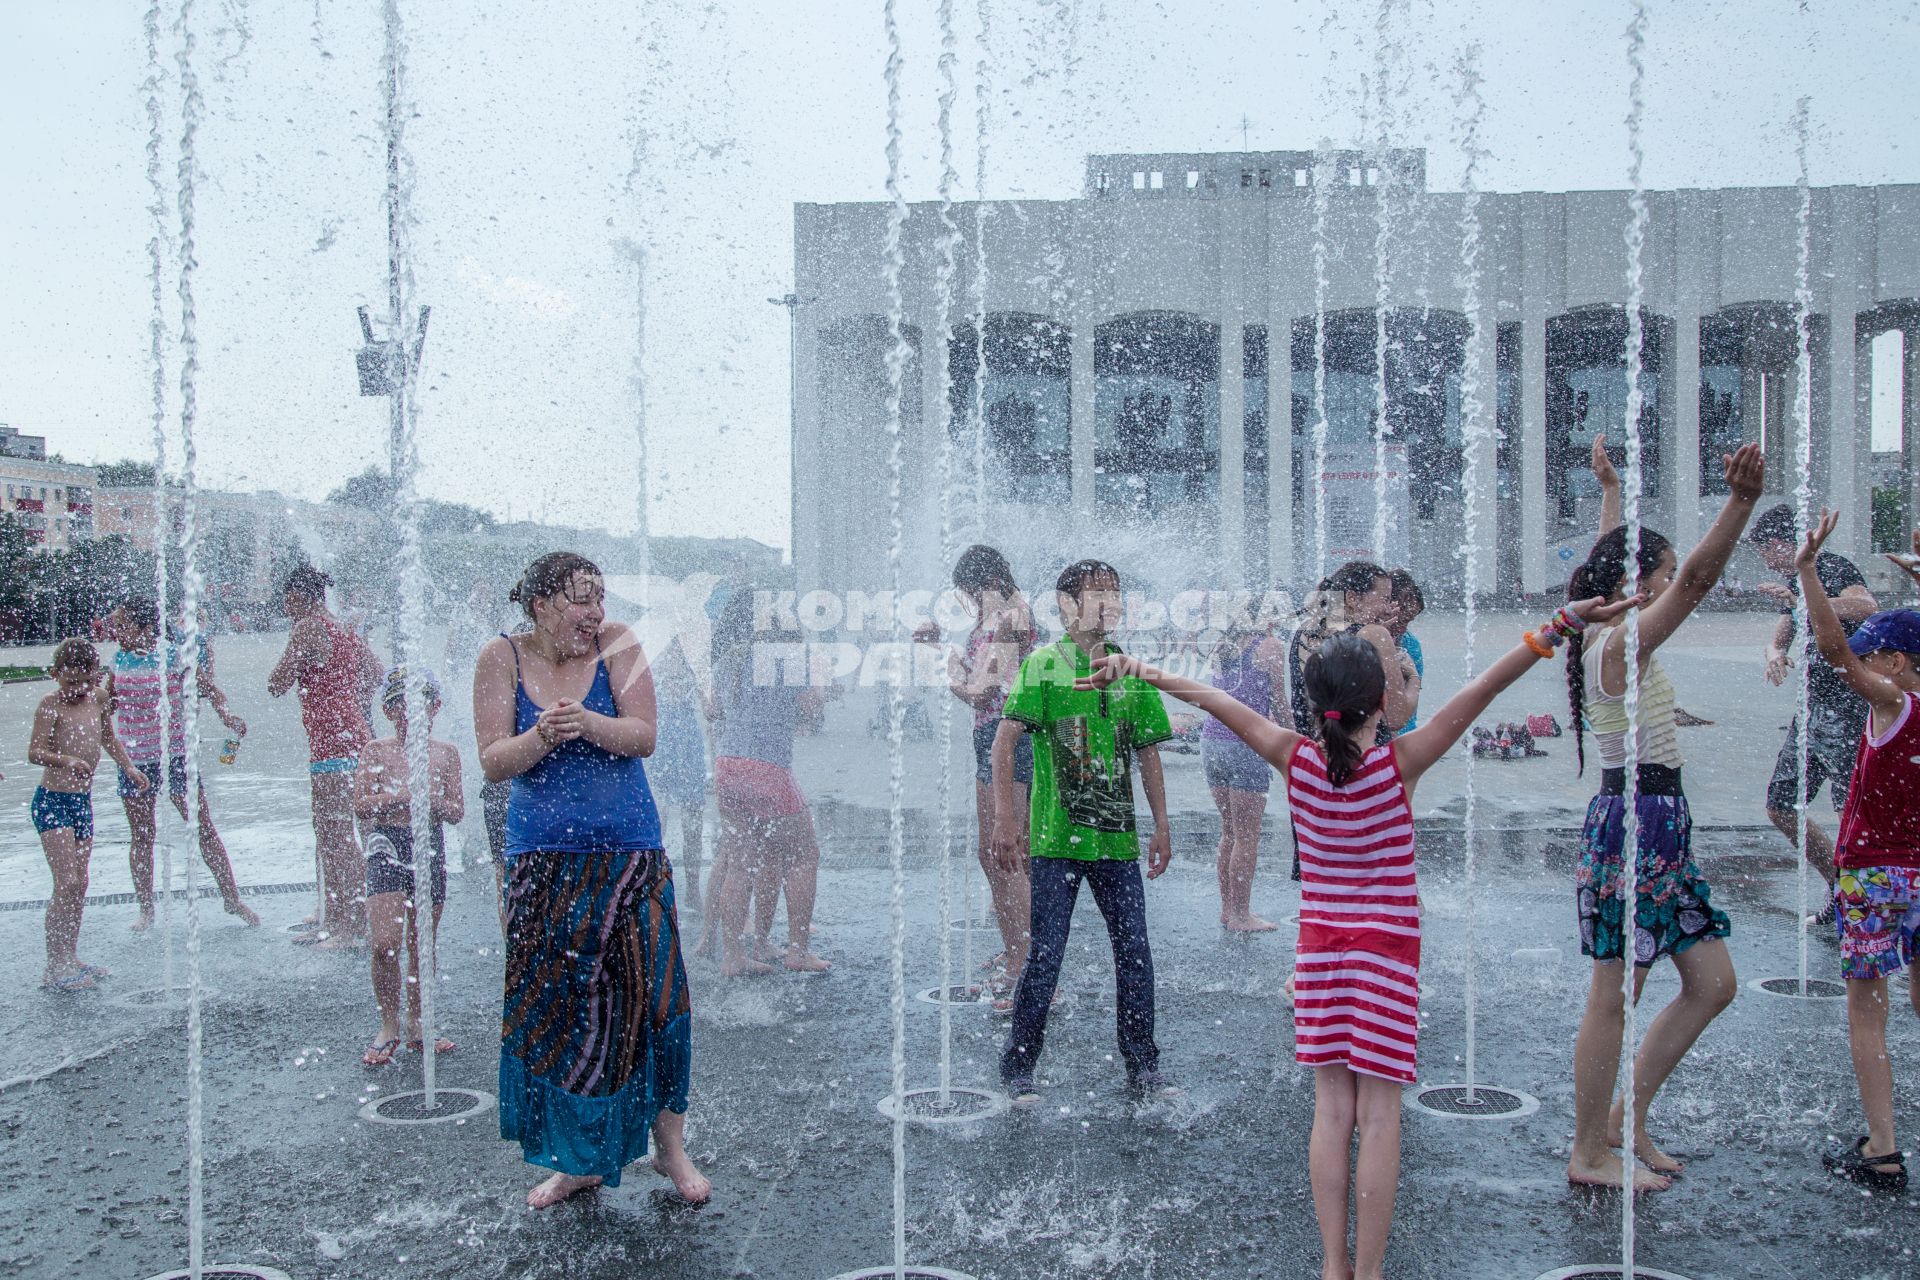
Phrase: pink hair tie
{"type": "Point", "coordinates": [1331, 715]}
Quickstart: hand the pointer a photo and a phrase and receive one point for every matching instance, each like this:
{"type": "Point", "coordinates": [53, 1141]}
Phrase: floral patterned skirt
{"type": "Point", "coordinates": [1674, 907]}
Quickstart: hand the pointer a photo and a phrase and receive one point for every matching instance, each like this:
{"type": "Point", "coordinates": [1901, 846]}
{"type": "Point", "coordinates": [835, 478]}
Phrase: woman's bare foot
{"type": "Point", "coordinates": [245, 912]}
{"type": "Point", "coordinates": [1648, 1154]}
{"type": "Point", "coordinates": [144, 923]}
{"type": "Point", "coordinates": [1332, 1270]}
{"type": "Point", "coordinates": [1606, 1171]}
{"type": "Point", "coordinates": [744, 967]}
{"type": "Point", "coordinates": [337, 942]}
{"type": "Point", "coordinates": [801, 960]}
{"type": "Point", "coordinates": [688, 1182]}
{"type": "Point", "coordinates": [1251, 924]}
{"type": "Point", "coordinates": [557, 1188]}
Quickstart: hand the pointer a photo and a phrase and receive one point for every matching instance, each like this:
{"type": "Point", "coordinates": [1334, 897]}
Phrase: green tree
{"type": "Point", "coordinates": [124, 474]}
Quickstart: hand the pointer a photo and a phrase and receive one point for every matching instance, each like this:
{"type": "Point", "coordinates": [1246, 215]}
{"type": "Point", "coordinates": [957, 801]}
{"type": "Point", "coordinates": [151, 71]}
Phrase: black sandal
{"type": "Point", "coordinates": [1853, 1164]}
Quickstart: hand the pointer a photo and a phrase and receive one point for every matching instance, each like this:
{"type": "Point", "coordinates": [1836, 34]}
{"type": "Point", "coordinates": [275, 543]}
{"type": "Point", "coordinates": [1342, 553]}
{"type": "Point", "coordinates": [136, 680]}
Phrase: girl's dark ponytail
{"type": "Point", "coordinates": [1346, 684]}
{"type": "Point", "coordinates": [1578, 588]}
{"type": "Point", "coordinates": [1604, 572]}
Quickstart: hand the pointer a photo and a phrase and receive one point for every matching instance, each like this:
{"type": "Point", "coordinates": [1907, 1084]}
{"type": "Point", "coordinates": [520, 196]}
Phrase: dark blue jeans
{"type": "Point", "coordinates": [1120, 894]}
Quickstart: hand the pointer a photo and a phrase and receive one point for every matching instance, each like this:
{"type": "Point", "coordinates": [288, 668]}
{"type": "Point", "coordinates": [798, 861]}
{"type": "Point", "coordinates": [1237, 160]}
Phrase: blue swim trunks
{"type": "Point", "coordinates": [339, 764]}
{"type": "Point", "coordinates": [53, 810]}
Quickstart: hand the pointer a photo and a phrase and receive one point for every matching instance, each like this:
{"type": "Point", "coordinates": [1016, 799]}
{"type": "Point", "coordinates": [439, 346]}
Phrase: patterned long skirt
{"type": "Point", "coordinates": [595, 1037]}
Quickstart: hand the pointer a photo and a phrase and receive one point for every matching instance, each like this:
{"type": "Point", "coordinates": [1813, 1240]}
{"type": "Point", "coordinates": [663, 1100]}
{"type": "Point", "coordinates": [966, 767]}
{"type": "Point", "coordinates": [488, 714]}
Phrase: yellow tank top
{"type": "Point", "coordinates": [1607, 714]}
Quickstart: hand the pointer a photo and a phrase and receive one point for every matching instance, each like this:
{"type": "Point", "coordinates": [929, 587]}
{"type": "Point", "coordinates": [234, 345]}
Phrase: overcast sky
{"type": "Point", "coordinates": [525, 143]}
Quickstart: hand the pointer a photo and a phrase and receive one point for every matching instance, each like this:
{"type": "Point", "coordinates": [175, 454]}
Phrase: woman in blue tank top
{"type": "Point", "coordinates": [595, 1034]}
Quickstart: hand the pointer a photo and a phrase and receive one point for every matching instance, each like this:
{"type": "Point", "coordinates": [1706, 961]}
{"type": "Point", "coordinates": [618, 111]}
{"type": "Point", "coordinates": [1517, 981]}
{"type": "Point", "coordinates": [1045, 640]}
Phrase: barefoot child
{"type": "Point", "coordinates": [1673, 914]}
{"type": "Point", "coordinates": [134, 692]}
{"type": "Point", "coordinates": [1876, 891]}
{"type": "Point", "coordinates": [71, 726]}
{"type": "Point", "coordinates": [1358, 963]}
{"type": "Point", "coordinates": [381, 799]}
{"type": "Point", "coordinates": [1082, 823]}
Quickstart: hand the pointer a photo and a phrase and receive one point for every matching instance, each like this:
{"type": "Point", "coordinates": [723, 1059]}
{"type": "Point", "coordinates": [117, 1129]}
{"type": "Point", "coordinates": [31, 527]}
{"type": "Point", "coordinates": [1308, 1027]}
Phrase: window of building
{"type": "Point", "coordinates": [1193, 179]}
{"type": "Point", "coordinates": [1139, 180]}
{"type": "Point", "coordinates": [1299, 177]}
{"type": "Point", "coordinates": [1373, 176]}
{"type": "Point", "coordinates": [1353, 176]}
{"type": "Point", "coordinates": [1157, 180]}
{"type": "Point", "coordinates": [1266, 177]}
{"type": "Point", "coordinates": [1100, 183]}
{"type": "Point", "coordinates": [1246, 178]}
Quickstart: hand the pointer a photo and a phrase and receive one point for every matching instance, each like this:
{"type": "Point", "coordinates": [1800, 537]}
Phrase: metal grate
{"type": "Point", "coordinates": [979, 926]}
{"type": "Point", "coordinates": [1816, 988]}
{"type": "Point", "coordinates": [912, 1273]}
{"type": "Point", "coordinates": [1606, 1273]}
{"type": "Point", "coordinates": [227, 1271]}
{"type": "Point", "coordinates": [959, 993]}
{"type": "Point", "coordinates": [1483, 1102]}
{"type": "Point", "coordinates": [411, 1108]}
{"type": "Point", "coordinates": [923, 1106]}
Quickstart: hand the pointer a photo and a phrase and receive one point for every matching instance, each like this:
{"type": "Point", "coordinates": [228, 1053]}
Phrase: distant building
{"type": "Point", "coordinates": [52, 501]}
{"type": "Point", "coordinates": [1141, 338]}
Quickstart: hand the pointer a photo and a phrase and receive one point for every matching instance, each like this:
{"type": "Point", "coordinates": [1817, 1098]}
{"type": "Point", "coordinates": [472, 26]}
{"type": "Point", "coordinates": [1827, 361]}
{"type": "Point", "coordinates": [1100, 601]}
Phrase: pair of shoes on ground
{"type": "Point", "coordinates": [1142, 1086]}
{"type": "Point", "coordinates": [1876, 1173]}
{"type": "Point", "coordinates": [1505, 741]}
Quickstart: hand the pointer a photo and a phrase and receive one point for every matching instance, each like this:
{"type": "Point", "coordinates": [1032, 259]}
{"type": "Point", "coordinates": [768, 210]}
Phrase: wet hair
{"type": "Point", "coordinates": [142, 613]}
{"type": "Point", "coordinates": [1405, 591]}
{"type": "Point", "coordinates": [1318, 610]}
{"type": "Point", "coordinates": [1355, 576]}
{"type": "Point", "coordinates": [1344, 677]}
{"type": "Point", "coordinates": [980, 568]}
{"type": "Point", "coordinates": [1775, 524]}
{"type": "Point", "coordinates": [1081, 574]}
{"type": "Point", "coordinates": [307, 582]}
{"type": "Point", "coordinates": [76, 655]}
{"type": "Point", "coordinates": [1604, 572]}
{"type": "Point", "coordinates": [394, 689]}
{"type": "Point", "coordinates": [548, 577]}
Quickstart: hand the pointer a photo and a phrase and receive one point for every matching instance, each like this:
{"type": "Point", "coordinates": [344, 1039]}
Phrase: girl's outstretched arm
{"type": "Point", "coordinates": [1274, 744]}
{"type": "Point", "coordinates": [1417, 751]}
{"type": "Point", "coordinates": [1746, 472]}
{"type": "Point", "coordinates": [1882, 695]}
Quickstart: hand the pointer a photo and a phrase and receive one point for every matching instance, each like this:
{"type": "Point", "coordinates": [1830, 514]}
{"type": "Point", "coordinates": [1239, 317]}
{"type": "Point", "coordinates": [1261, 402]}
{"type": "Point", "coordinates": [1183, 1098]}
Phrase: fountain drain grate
{"type": "Point", "coordinates": [1816, 989]}
{"type": "Point", "coordinates": [226, 1271]}
{"type": "Point", "coordinates": [963, 1105]}
{"type": "Point", "coordinates": [1595, 1272]}
{"type": "Point", "coordinates": [411, 1108]}
{"type": "Point", "coordinates": [959, 993]}
{"type": "Point", "coordinates": [912, 1272]}
{"type": "Point", "coordinates": [979, 926]}
{"type": "Point", "coordinates": [1483, 1102]}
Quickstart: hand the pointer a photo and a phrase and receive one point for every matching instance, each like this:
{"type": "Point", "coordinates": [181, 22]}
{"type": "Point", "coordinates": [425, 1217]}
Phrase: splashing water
{"type": "Point", "coordinates": [1322, 179]}
{"type": "Point", "coordinates": [157, 355]}
{"type": "Point", "coordinates": [943, 288]}
{"type": "Point", "coordinates": [1803, 494]}
{"type": "Point", "coordinates": [1478, 438]}
{"type": "Point", "coordinates": [190, 108]}
{"type": "Point", "coordinates": [978, 407]}
{"type": "Point", "coordinates": [897, 353]}
{"type": "Point", "coordinates": [410, 621]}
{"type": "Point", "coordinates": [1385, 51]}
{"type": "Point", "coordinates": [1636, 234]}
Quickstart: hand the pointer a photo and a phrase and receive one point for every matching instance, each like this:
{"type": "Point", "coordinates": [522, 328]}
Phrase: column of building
{"type": "Point", "coordinates": [1235, 265]}
{"type": "Point", "coordinates": [1849, 413]}
{"type": "Point", "coordinates": [1540, 237]}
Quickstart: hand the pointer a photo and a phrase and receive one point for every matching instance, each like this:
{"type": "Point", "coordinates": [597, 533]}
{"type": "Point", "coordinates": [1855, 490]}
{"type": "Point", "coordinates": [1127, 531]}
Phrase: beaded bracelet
{"type": "Point", "coordinates": [1567, 623]}
{"type": "Point", "coordinates": [1542, 651]}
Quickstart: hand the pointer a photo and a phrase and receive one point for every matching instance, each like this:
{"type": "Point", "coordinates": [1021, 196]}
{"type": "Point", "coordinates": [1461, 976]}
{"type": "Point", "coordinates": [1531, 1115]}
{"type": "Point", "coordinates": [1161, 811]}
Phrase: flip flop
{"type": "Point", "coordinates": [312, 939]}
{"type": "Point", "coordinates": [380, 1054]}
{"type": "Point", "coordinates": [441, 1046]}
{"type": "Point", "coordinates": [94, 970]}
{"type": "Point", "coordinates": [82, 981]}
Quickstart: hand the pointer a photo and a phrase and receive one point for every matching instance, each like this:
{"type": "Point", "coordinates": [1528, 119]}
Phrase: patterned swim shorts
{"type": "Point", "coordinates": [1877, 911]}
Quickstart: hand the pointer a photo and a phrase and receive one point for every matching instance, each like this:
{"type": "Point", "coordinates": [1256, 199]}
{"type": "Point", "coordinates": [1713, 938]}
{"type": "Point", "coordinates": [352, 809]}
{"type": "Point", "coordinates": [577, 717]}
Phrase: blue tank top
{"type": "Point", "coordinates": [1245, 681]}
{"type": "Point", "coordinates": [581, 798]}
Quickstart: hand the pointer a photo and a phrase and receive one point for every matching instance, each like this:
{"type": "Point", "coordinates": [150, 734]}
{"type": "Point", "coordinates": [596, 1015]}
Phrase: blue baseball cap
{"type": "Point", "coordinates": [1896, 629]}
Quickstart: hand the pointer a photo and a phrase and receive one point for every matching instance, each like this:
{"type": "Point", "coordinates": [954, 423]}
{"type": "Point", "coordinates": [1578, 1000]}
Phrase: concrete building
{"type": "Point", "coordinates": [52, 501]}
{"type": "Point", "coordinates": [1140, 338]}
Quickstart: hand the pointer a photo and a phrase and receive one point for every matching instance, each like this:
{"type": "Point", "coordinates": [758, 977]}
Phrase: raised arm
{"type": "Point", "coordinates": [1417, 751]}
{"type": "Point", "coordinates": [1273, 744]}
{"type": "Point", "coordinates": [1610, 508]}
{"type": "Point", "coordinates": [1746, 472]}
{"type": "Point", "coordinates": [1908, 562]}
{"type": "Point", "coordinates": [1882, 695]}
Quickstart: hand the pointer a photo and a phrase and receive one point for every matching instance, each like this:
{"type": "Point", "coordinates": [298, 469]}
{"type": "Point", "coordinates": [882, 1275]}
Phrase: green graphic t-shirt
{"type": "Point", "coordinates": [1081, 803]}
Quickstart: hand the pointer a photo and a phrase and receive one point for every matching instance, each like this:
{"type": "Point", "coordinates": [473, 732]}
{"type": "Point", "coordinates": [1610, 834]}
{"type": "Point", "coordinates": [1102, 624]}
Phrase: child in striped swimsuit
{"type": "Point", "coordinates": [1357, 970]}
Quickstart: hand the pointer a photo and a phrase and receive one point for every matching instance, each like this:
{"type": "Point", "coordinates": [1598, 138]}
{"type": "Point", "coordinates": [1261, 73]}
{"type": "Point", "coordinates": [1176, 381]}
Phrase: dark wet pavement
{"type": "Point", "coordinates": [788, 1071]}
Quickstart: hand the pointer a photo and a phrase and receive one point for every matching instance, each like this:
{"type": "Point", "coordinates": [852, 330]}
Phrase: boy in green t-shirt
{"type": "Point", "coordinates": [1080, 822]}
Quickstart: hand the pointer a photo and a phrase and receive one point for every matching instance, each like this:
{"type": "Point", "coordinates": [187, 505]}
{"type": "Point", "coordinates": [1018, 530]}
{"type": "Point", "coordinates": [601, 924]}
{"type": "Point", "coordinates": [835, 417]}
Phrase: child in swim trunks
{"type": "Point", "coordinates": [1876, 889]}
{"type": "Point", "coordinates": [71, 726]}
{"type": "Point", "coordinates": [381, 799]}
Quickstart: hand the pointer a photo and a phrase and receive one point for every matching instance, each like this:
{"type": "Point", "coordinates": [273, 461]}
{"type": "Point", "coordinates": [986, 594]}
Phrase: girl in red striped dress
{"type": "Point", "coordinates": [1357, 967]}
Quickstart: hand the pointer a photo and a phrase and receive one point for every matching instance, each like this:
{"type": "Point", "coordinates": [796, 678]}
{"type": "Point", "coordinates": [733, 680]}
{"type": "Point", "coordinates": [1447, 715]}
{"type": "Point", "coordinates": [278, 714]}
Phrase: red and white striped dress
{"type": "Point", "coordinates": [1357, 967]}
